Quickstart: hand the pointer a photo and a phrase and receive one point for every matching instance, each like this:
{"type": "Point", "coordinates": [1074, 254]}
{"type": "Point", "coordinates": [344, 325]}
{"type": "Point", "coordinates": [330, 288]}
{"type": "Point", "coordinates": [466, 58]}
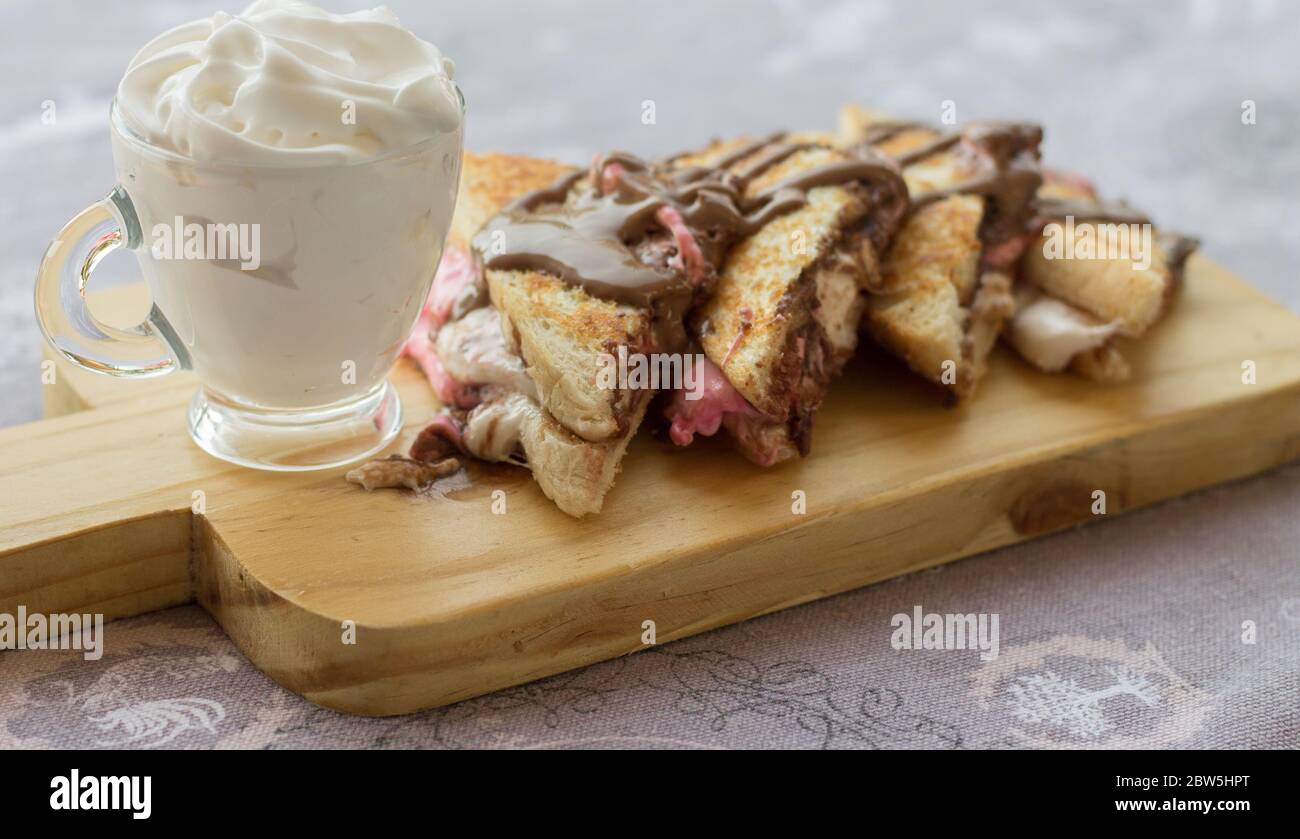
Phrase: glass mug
{"type": "Point", "coordinates": [288, 290]}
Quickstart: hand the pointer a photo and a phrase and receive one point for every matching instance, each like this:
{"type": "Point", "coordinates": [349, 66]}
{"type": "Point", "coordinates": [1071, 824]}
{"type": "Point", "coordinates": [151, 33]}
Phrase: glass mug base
{"type": "Point", "coordinates": [295, 441]}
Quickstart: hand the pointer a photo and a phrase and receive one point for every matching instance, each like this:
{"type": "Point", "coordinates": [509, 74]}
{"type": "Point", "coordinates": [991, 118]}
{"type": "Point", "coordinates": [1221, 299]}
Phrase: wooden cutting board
{"type": "Point", "coordinates": [451, 600]}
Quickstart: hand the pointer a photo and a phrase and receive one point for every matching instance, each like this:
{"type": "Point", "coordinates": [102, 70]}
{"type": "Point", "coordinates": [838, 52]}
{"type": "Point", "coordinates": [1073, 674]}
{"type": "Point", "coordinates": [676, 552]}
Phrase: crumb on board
{"type": "Point", "coordinates": [399, 471]}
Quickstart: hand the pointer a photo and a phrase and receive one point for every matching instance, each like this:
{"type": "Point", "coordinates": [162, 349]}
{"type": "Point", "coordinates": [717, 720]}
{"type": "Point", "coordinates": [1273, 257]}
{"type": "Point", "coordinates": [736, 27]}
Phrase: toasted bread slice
{"type": "Point", "coordinates": [559, 330]}
{"type": "Point", "coordinates": [941, 303]}
{"type": "Point", "coordinates": [575, 439]}
{"type": "Point", "coordinates": [931, 269]}
{"type": "Point", "coordinates": [488, 182]}
{"type": "Point", "coordinates": [575, 473]}
{"type": "Point", "coordinates": [856, 124]}
{"type": "Point", "coordinates": [782, 318]}
{"type": "Point", "coordinates": [860, 125]}
{"type": "Point", "coordinates": [765, 296]}
{"type": "Point", "coordinates": [1113, 289]}
{"type": "Point", "coordinates": [1120, 288]}
{"type": "Point", "coordinates": [1073, 308]}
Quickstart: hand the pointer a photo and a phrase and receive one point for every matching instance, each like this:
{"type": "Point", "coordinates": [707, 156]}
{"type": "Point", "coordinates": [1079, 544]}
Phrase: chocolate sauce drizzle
{"type": "Point", "coordinates": [589, 237]}
{"type": "Point", "coordinates": [1013, 179]}
{"type": "Point", "coordinates": [1089, 210]}
{"type": "Point", "coordinates": [1009, 173]}
{"type": "Point", "coordinates": [1177, 247]}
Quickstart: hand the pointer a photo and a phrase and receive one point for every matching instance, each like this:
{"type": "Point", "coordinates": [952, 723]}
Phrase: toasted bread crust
{"type": "Point", "coordinates": [561, 333]}
{"type": "Point", "coordinates": [1110, 288]}
{"type": "Point", "coordinates": [936, 171]}
{"type": "Point", "coordinates": [575, 473]}
{"type": "Point", "coordinates": [854, 122]}
{"type": "Point", "coordinates": [931, 269]}
{"type": "Point", "coordinates": [491, 180]}
{"type": "Point", "coordinates": [992, 307]}
{"type": "Point", "coordinates": [1104, 365]}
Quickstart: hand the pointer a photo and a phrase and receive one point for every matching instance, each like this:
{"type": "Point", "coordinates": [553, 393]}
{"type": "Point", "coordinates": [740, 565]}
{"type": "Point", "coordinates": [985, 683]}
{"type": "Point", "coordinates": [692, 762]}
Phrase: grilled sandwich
{"type": "Point", "coordinates": [511, 355]}
{"type": "Point", "coordinates": [1097, 273]}
{"type": "Point", "coordinates": [945, 287]}
{"type": "Point", "coordinates": [595, 264]}
{"type": "Point", "coordinates": [783, 318]}
{"type": "Point", "coordinates": [765, 259]}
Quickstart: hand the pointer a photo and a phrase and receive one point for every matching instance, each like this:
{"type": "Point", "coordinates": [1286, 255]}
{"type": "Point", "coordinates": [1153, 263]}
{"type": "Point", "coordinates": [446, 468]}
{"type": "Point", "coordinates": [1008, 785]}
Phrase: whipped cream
{"type": "Point", "coordinates": [285, 82]}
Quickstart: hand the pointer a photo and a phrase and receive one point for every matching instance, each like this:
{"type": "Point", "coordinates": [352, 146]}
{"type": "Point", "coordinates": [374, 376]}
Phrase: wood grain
{"type": "Point", "coordinates": [451, 601]}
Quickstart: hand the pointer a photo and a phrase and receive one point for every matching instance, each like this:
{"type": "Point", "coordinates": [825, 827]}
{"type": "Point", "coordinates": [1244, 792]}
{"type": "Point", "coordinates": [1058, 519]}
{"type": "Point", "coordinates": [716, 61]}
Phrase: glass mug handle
{"type": "Point", "coordinates": [66, 321]}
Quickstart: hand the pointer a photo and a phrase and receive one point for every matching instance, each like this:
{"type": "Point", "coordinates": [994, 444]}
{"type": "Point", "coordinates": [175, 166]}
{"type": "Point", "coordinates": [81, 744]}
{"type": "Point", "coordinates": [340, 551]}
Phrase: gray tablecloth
{"type": "Point", "coordinates": [1132, 632]}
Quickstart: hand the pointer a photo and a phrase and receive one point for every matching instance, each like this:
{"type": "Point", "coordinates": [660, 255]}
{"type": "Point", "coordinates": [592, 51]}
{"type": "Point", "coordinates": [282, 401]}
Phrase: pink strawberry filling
{"type": "Point", "coordinates": [689, 256]}
{"type": "Point", "coordinates": [449, 391]}
{"type": "Point", "coordinates": [1002, 256]}
{"type": "Point", "coordinates": [606, 177]}
{"type": "Point", "coordinates": [720, 403]}
{"type": "Point", "coordinates": [454, 272]}
{"type": "Point", "coordinates": [719, 400]}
